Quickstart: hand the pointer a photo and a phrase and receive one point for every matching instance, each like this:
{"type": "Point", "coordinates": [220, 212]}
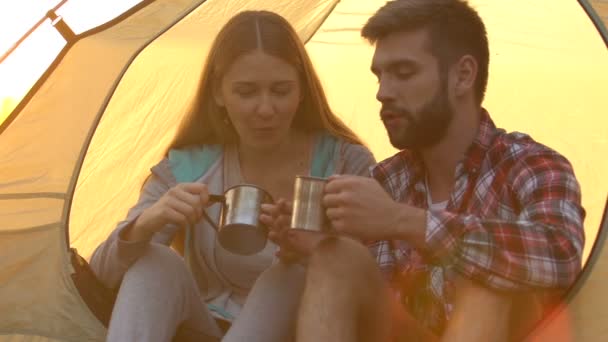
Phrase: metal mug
{"type": "Point", "coordinates": [240, 230]}
{"type": "Point", "coordinates": [308, 210]}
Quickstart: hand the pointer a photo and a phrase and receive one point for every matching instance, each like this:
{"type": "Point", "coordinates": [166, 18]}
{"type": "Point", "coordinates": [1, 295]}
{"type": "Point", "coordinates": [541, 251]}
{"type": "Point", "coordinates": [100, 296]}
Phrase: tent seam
{"type": "Point", "coordinates": [32, 229]}
{"type": "Point", "coordinates": [596, 19]}
{"type": "Point", "coordinates": [33, 195]}
{"type": "Point", "coordinates": [333, 7]}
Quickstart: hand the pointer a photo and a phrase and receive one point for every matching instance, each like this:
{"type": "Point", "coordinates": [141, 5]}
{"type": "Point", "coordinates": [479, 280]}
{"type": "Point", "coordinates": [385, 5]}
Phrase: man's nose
{"type": "Point", "coordinates": [385, 91]}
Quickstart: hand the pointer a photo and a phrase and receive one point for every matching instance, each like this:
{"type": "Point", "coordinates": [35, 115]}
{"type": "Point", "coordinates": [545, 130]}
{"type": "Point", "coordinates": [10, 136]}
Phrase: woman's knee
{"type": "Point", "coordinates": [283, 274]}
{"type": "Point", "coordinates": [159, 265]}
{"type": "Point", "coordinates": [280, 282]}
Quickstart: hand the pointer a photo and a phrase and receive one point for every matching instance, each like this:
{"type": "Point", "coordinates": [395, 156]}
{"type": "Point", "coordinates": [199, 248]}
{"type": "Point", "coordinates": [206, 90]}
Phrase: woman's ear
{"type": "Point", "coordinates": [217, 94]}
{"type": "Point", "coordinates": [465, 74]}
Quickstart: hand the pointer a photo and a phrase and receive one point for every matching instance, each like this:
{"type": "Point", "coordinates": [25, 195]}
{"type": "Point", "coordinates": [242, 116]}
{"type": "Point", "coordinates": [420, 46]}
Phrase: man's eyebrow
{"type": "Point", "coordinates": [395, 64]}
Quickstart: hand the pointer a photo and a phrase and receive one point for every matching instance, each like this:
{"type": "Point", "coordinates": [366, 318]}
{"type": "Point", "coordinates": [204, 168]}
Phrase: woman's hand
{"type": "Point", "coordinates": [294, 243]}
{"type": "Point", "coordinates": [182, 205]}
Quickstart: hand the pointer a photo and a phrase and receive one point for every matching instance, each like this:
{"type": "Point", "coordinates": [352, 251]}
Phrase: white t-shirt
{"type": "Point", "coordinates": [433, 205]}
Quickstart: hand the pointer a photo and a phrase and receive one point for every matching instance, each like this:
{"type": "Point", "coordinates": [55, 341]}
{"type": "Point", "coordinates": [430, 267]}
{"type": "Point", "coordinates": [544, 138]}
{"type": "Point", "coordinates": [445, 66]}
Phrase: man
{"type": "Point", "coordinates": [465, 211]}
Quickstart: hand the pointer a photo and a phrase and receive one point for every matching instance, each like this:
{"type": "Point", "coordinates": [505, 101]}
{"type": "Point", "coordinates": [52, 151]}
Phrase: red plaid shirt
{"type": "Point", "coordinates": [513, 222]}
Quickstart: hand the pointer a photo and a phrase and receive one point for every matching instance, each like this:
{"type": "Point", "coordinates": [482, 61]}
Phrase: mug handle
{"type": "Point", "coordinates": [217, 199]}
{"type": "Point", "coordinates": [188, 240]}
{"type": "Point", "coordinates": [214, 199]}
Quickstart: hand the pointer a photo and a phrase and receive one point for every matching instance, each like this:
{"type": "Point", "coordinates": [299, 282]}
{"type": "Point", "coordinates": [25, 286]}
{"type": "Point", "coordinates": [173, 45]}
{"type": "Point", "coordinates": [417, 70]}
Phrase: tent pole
{"type": "Point", "coordinates": [61, 26]}
{"type": "Point", "coordinates": [30, 31]}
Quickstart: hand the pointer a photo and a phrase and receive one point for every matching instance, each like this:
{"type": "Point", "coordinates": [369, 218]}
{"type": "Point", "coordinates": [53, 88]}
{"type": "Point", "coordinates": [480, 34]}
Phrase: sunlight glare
{"type": "Point", "coordinates": [22, 68]}
{"type": "Point", "coordinates": [82, 15]}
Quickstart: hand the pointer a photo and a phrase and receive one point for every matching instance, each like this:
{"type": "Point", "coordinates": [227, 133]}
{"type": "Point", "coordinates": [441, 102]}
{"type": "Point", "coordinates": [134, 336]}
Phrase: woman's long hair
{"type": "Point", "coordinates": [248, 31]}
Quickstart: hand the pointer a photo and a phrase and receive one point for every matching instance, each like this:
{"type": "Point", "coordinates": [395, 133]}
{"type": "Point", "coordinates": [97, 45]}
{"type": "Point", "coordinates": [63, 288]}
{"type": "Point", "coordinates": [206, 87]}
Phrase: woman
{"type": "Point", "coordinates": [262, 116]}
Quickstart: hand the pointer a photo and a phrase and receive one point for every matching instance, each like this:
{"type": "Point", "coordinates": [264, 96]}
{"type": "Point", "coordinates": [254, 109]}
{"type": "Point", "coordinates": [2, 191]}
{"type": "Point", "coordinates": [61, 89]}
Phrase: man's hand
{"type": "Point", "coordinates": [360, 207]}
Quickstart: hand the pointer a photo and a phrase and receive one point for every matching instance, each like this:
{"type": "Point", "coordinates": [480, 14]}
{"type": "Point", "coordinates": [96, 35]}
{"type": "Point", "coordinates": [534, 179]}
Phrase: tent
{"type": "Point", "coordinates": [118, 90]}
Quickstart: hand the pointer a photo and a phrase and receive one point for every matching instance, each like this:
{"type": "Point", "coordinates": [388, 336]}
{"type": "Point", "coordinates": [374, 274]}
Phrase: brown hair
{"type": "Point", "coordinates": [454, 27]}
{"type": "Point", "coordinates": [246, 32]}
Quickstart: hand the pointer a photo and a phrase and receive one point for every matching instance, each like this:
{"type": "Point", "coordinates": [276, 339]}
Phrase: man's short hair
{"type": "Point", "coordinates": [455, 29]}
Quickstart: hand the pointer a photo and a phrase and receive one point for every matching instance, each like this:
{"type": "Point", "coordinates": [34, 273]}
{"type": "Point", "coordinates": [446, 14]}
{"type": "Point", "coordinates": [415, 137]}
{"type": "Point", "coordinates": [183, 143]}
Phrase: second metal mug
{"type": "Point", "coordinates": [240, 230]}
{"type": "Point", "coordinates": [308, 210]}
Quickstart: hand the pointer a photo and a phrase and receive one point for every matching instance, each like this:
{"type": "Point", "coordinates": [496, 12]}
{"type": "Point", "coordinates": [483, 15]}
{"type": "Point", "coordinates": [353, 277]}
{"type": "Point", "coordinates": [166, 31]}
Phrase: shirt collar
{"type": "Point", "coordinates": [472, 160]}
{"type": "Point", "coordinates": [486, 134]}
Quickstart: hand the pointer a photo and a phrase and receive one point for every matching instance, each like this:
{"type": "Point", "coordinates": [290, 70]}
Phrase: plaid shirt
{"type": "Point", "coordinates": [513, 222]}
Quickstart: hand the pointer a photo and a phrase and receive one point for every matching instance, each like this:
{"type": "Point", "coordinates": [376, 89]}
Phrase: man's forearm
{"type": "Point", "coordinates": [410, 226]}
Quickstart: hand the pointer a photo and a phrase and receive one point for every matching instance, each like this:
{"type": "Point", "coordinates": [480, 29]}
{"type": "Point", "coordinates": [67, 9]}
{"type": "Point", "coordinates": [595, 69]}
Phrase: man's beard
{"type": "Point", "coordinates": [425, 127]}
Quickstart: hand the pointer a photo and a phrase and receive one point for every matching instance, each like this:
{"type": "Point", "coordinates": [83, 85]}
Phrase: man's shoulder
{"type": "Point", "coordinates": [515, 148]}
{"type": "Point", "coordinates": [518, 143]}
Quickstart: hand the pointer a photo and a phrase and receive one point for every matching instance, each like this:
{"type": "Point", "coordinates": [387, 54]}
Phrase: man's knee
{"type": "Point", "coordinates": [343, 257]}
{"type": "Point", "coordinates": [344, 262]}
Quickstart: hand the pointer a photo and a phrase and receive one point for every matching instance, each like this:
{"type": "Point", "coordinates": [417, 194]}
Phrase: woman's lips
{"type": "Point", "coordinates": [264, 130]}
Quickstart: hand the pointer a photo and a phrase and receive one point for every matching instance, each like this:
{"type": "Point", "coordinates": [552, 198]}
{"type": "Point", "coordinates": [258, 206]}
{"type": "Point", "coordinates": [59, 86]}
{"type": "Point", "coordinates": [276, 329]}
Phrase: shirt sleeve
{"type": "Point", "coordinates": [356, 160]}
{"type": "Point", "coordinates": [541, 247]}
{"type": "Point", "coordinates": [113, 257]}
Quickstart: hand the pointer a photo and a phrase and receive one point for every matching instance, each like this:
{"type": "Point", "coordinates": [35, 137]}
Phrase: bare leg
{"type": "Point", "coordinates": [480, 314]}
{"type": "Point", "coordinates": [345, 298]}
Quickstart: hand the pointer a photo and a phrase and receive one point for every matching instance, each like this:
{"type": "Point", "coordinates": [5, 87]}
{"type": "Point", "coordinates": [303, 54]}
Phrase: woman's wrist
{"type": "Point", "coordinates": [136, 231]}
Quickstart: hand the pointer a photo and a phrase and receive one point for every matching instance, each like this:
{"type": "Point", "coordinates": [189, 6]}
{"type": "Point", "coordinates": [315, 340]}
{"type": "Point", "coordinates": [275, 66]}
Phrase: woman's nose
{"type": "Point", "coordinates": [265, 106]}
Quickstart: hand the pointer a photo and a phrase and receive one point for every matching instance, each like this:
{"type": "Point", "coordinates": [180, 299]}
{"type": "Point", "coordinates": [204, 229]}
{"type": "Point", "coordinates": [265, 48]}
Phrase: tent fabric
{"type": "Point", "coordinates": [68, 157]}
{"type": "Point", "coordinates": [600, 7]}
{"type": "Point", "coordinates": [42, 151]}
{"type": "Point", "coordinates": [585, 315]}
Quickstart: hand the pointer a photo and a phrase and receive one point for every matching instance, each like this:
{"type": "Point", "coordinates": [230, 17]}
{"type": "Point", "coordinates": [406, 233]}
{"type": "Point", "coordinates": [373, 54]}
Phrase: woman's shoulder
{"type": "Point", "coordinates": [350, 157]}
{"type": "Point", "coordinates": [349, 149]}
{"type": "Point", "coordinates": [193, 151]}
{"type": "Point", "coordinates": [357, 153]}
{"type": "Point", "coordinates": [189, 163]}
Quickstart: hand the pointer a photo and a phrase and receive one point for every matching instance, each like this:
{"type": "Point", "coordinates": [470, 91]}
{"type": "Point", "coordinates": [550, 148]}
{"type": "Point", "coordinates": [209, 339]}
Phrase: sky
{"type": "Point", "coordinates": [20, 70]}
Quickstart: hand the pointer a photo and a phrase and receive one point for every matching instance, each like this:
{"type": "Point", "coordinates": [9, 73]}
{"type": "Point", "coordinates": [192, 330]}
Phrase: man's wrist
{"type": "Point", "coordinates": [410, 225]}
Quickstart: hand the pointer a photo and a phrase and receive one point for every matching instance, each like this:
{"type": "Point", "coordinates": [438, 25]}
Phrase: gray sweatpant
{"type": "Point", "coordinates": [158, 294]}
